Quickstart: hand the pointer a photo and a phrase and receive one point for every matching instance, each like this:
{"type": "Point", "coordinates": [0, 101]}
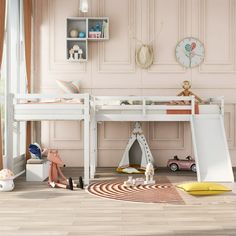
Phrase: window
{"type": "Point", "coordinates": [2, 93]}
{"type": "Point", "coordinates": [15, 81]}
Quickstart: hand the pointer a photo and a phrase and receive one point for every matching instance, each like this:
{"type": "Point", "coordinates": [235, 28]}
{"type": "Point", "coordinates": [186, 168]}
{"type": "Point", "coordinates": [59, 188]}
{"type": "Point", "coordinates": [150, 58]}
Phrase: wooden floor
{"type": "Point", "coordinates": [35, 209]}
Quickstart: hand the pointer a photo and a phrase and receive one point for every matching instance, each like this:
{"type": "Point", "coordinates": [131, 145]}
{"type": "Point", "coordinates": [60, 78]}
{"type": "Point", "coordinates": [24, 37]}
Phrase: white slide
{"type": "Point", "coordinates": [211, 149]}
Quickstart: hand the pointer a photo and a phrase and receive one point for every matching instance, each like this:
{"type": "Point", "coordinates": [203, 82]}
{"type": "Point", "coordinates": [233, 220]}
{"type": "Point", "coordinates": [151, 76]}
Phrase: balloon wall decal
{"type": "Point", "coordinates": [188, 47]}
{"type": "Point", "coordinates": [193, 45]}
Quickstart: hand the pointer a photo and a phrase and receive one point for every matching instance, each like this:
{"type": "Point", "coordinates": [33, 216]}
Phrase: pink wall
{"type": "Point", "coordinates": [111, 68]}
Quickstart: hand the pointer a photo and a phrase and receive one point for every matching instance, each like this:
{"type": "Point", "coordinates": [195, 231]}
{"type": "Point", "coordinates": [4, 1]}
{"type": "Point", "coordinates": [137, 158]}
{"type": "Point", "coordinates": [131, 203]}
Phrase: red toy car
{"type": "Point", "coordinates": [182, 164]}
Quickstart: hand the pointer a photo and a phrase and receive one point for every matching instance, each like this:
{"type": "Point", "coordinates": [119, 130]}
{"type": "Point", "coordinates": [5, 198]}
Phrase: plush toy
{"type": "Point", "coordinates": [36, 151]}
{"type": "Point", "coordinates": [186, 92]}
{"type": "Point", "coordinates": [56, 177]}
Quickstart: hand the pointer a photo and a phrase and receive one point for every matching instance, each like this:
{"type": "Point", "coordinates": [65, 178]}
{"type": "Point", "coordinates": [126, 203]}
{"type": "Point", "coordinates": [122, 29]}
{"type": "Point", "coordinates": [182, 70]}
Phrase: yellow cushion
{"type": "Point", "coordinates": [203, 188]}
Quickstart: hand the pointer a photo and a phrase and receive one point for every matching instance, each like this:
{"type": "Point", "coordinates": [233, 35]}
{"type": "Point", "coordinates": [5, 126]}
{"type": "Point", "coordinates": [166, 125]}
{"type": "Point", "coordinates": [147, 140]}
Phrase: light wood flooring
{"type": "Point", "coordinates": [35, 209]}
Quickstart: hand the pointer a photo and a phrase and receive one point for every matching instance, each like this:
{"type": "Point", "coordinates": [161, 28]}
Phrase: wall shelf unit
{"type": "Point", "coordinates": [81, 30]}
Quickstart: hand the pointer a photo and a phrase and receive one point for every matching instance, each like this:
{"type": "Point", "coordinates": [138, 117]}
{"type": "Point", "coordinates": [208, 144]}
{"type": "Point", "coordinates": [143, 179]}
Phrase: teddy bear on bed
{"type": "Point", "coordinates": [56, 177]}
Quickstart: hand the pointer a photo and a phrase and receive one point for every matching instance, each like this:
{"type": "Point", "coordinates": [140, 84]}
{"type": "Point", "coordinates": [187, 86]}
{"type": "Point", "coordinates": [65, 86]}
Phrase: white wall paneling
{"type": "Point", "coordinates": [219, 41]}
{"type": "Point", "coordinates": [111, 69]}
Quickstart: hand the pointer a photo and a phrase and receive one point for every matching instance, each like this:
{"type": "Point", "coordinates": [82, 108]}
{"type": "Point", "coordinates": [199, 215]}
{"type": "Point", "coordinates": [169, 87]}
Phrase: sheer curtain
{"type": "Point", "coordinates": [2, 30]}
{"type": "Point", "coordinates": [27, 8]}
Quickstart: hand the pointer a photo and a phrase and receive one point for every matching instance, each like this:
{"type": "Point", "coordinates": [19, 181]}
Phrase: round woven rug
{"type": "Point", "coordinates": [161, 192]}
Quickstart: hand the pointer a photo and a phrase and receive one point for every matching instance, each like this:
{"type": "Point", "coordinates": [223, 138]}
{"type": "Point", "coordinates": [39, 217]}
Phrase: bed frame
{"type": "Point", "coordinates": [30, 110]}
{"type": "Point", "coordinates": [105, 108]}
{"type": "Point", "coordinates": [102, 109]}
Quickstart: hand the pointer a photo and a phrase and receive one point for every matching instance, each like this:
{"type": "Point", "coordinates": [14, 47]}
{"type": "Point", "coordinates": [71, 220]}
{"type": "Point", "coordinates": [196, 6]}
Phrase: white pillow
{"type": "Point", "coordinates": [69, 86]}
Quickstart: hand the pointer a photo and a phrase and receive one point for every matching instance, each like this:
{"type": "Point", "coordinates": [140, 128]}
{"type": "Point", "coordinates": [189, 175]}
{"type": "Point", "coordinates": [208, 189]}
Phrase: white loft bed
{"type": "Point", "coordinates": [210, 148]}
{"type": "Point", "coordinates": [40, 107]}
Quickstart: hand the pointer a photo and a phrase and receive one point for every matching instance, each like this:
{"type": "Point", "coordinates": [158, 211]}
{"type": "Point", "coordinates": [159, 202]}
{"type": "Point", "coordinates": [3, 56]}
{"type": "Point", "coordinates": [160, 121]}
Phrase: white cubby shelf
{"type": "Point", "coordinates": [92, 29]}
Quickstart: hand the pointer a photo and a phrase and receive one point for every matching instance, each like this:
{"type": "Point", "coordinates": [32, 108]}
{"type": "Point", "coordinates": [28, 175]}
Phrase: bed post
{"type": "Point", "coordinates": [93, 138]}
{"type": "Point", "coordinates": [144, 106]}
{"type": "Point", "coordinates": [86, 138]}
{"type": "Point", "coordinates": [9, 132]}
{"type": "Point", "coordinates": [193, 105]}
{"type": "Point", "coordinates": [95, 146]}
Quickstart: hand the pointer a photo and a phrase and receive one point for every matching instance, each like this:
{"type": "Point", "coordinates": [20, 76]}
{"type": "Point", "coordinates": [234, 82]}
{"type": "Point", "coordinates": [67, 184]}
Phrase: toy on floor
{"type": "Point", "coordinates": [56, 177]}
{"type": "Point", "coordinates": [149, 173]}
{"type": "Point", "coordinates": [129, 182]}
{"type": "Point", "coordinates": [137, 153]}
{"type": "Point", "coordinates": [186, 92]}
{"type": "Point", "coordinates": [133, 182]}
{"type": "Point", "coordinates": [6, 180]}
{"type": "Point", "coordinates": [36, 151]}
{"type": "Point", "coordinates": [182, 164]}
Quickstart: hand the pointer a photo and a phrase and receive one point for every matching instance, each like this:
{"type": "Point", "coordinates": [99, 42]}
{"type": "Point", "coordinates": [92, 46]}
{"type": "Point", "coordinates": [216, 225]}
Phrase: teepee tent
{"type": "Point", "coordinates": [137, 153]}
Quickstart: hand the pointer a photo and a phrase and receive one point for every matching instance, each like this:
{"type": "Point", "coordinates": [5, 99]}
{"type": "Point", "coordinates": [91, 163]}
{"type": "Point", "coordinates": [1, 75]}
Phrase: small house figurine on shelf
{"type": "Point", "coordinates": [75, 53]}
{"type": "Point", "coordinates": [149, 173]}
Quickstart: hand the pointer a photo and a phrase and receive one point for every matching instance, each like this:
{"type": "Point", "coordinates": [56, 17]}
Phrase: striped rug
{"type": "Point", "coordinates": [161, 192]}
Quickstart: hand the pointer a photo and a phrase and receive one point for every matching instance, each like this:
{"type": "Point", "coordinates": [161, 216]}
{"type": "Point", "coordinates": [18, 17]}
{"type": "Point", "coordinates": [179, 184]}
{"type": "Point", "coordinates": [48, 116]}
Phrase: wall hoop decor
{"type": "Point", "coordinates": [144, 56]}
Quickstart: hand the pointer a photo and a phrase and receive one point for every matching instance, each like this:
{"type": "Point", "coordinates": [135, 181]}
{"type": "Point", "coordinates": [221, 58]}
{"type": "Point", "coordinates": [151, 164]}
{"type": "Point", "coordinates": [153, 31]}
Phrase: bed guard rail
{"type": "Point", "coordinates": [50, 106]}
{"type": "Point", "coordinates": [144, 103]}
{"type": "Point", "coordinates": [38, 96]}
{"type": "Point", "coordinates": [219, 101]}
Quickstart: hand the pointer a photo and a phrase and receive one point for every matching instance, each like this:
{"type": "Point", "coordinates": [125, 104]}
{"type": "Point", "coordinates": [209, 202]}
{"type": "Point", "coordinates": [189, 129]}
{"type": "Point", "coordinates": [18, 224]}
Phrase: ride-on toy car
{"type": "Point", "coordinates": [182, 164]}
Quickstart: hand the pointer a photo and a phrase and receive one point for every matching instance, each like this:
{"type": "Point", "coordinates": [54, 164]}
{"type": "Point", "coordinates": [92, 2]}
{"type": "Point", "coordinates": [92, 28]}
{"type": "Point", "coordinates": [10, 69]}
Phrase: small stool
{"type": "Point", "coordinates": [37, 170]}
